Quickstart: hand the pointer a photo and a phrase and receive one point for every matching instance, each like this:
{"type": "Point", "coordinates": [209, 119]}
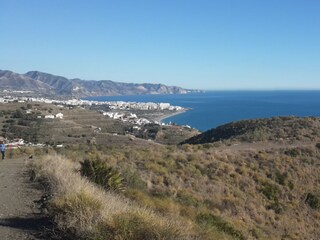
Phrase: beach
{"type": "Point", "coordinates": [164, 115]}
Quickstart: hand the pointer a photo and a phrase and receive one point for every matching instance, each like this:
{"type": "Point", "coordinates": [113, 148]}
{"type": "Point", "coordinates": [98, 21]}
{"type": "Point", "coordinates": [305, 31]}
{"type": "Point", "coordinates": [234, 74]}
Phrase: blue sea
{"type": "Point", "coordinates": [214, 108]}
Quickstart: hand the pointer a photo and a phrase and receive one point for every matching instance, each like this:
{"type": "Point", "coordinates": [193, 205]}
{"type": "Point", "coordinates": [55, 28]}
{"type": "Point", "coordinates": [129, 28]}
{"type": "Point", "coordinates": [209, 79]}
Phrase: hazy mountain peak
{"type": "Point", "coordinates": [46, 83]}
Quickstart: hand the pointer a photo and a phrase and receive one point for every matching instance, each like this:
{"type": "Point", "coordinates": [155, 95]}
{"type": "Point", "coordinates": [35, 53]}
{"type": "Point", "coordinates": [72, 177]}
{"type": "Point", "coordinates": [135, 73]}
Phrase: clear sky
{"type": "Point", "coordinates": [205, 44]}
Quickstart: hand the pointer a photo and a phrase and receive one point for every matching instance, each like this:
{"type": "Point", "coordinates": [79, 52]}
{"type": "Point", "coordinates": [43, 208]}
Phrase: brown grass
{"type": "Point", "coordinates": [255, 190]}
{"type": "Point", "coordinates": [84, 211]}
{"type": "Point", "coordinates": [260, 193]}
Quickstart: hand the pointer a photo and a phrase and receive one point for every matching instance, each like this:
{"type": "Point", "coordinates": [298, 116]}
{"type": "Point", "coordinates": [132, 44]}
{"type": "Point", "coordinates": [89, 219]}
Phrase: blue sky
{"type": "Point", "coordinates": [225, 44]}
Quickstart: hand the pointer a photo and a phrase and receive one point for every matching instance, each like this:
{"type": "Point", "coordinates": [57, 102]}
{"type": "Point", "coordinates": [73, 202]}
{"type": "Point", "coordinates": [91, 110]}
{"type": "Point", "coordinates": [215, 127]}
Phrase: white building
{"type": "Point", "coordinates": [163, 106]}
{"type": "Point", "coordinates": [59, 115]}
{"type": "Point", "coordinates": [49, 116]}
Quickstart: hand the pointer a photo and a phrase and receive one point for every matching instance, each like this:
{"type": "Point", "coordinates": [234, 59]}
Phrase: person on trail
{"type": "Point", "coordinates": [3, 149]}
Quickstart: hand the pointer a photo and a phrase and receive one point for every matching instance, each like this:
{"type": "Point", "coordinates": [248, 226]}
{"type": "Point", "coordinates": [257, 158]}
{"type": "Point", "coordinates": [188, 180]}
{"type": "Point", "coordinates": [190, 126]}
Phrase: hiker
{"type": "Point", "coordinates": [3, 149]}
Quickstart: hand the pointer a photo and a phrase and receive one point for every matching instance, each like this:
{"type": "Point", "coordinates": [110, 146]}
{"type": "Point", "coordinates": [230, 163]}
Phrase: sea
{"type": "Point", "coordinates": [213, 108]}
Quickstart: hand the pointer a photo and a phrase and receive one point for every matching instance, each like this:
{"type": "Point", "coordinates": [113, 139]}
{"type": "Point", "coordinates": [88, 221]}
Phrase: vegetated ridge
{"type": "Point", "coordinates": [250, 185]}
{"type": "Point", "coordinates": [45, 83]}
{"type": "Point", "coordinates": [276, 128]}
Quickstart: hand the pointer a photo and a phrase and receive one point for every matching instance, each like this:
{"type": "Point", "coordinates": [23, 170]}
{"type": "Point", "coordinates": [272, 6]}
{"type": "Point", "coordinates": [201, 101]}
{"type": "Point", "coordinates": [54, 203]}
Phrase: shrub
{"type": "Point", "coordinates": [281, 177]}
{"type": "Point", "coordinates": [209, 220]}
{"type": "Point", "coordinates": [313, 200]}
{"type": "Point", "coordinates": [276, 207]}
{"type": "Point", "coordinates": [187, 199]}
{"type": "Point", "coordinates": [99, 173]}
{"type": "Point", "coordinates": [293, 152]}
{"type": "Point", "coordinates": [137, 225]}
{"type": "Point", "coordinates": [271, 191]}
{"type": "Point", "coordinates": [18, 114]}
{"type": "Point", "coordinates": [133, 180]}
{"type": "Point", "coordinates": [10, 121]}
{"type": "Point", "coordinates": [156, 168]}
{"type": "Point", "coordinates": [290, 185]}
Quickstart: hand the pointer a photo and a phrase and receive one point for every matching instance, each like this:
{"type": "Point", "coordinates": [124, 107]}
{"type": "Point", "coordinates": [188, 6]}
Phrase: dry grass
{"type": "Point", "coordinates": [82, 210]}
{"type": "Point", "coordinates": [224, 190]}
{"type": "Point", "coordinates": [257, 190]}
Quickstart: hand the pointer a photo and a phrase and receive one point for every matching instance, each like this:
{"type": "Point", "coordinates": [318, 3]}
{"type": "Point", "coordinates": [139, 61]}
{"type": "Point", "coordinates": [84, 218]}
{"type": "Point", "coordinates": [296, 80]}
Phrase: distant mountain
{"type": "Point", "coordinates": [45, 83]}
{"type": "Point", "coordinates": [14, 81]}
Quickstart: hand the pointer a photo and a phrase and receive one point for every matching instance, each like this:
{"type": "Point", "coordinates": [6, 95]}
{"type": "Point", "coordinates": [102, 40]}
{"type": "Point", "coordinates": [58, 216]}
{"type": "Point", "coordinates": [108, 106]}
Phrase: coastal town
{"type": "Point", "coordinates": [121, 105]}
{"type": "Point", "coordinates": [112, 106]}
{"type": "Point", "coordinates": [126, 112]}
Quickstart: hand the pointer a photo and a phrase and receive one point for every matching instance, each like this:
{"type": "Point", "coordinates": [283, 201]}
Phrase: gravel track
{"type": "Point", "coordinates": [19, 218]}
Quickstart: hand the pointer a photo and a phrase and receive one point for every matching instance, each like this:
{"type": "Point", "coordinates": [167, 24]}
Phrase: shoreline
{"type": "Point", "coordinates": [165, 116]}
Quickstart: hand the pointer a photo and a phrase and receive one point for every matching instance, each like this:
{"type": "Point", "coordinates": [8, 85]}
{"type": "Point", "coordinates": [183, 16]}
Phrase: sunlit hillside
{"type": "Point", "coordinates": [232, 189]}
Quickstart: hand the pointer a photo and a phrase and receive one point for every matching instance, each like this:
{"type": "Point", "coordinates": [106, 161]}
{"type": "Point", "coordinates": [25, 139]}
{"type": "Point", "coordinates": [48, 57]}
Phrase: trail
{"type": "Point", "coordinates": [18, 217]}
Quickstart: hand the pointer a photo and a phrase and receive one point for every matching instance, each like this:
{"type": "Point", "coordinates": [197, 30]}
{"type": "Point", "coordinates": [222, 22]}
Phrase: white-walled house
{"type": "Point", "coordinates": [59, 115]}
{"type": "Point", "coordinates": [50, 116]}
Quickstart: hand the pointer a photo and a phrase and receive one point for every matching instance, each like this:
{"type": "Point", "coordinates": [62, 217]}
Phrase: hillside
{"type": "Point", "coordinates": [276, 128]}
{"type": "Point", "coordinates": [44, 83]}
{"type": "Point", "coordinates": [14, 81]}
{"type": "Point", "coordinates": [79, 126]}
{"type": "Point", "coordinates": [252, 179]}
{"type": "Point", "coordinates": [240, 191]}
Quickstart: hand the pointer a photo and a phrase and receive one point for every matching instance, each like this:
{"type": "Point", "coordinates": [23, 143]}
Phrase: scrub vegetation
{"type": "Point", "coordinates": [257, 182]}
{"type": "Point", "coordinates": [218, 191]}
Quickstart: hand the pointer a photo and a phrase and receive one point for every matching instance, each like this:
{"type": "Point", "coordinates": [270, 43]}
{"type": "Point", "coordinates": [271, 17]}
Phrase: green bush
{"type": "Point", "coordinates": [209, 220]}
{"type": "Point", "coordinates": [101, 174]}
{"type": "Point", "coordinates": [187, 199]}
{"type": "Point", "coordinates": [313, 200]}
{"type": "Point", "coordinates": [276, 207]}
{"type": "Point", "coordinates": [18, 114]}
{"type": "Point", "coordinates": [281, 178]}
{"type": "Point", "coordinates": [292, 152]}
{"type": "Point", "coordinates": [290, 185]}
{"type": "Point", "coordinates": [271, 191]}
{"type": "Point", "coordinates": [10, 121]}
{"type": "Point", "coordinates": [133, 179]}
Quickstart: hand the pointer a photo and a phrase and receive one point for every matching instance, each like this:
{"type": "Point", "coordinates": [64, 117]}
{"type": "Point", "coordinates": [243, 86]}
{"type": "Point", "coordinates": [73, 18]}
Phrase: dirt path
{"type": "Point", "coordinates": [18, 218]}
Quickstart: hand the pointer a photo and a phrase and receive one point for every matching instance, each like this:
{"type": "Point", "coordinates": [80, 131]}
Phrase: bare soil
{"type": "Point", "coordinates": [19, 217]}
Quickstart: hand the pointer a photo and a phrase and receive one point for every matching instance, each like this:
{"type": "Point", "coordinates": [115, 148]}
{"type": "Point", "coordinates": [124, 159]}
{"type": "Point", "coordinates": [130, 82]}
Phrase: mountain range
{"type": "Point", "coordinates": [49, 84]}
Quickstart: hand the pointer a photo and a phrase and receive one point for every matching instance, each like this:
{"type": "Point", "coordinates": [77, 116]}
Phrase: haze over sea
{"type": "Point", "coordinates": [214, 108]}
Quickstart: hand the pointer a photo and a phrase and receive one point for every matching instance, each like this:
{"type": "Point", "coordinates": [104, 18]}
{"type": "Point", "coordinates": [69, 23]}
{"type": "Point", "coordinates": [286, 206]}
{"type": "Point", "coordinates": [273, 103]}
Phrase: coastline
{"type": "Point", "coordinates": [165, 116]}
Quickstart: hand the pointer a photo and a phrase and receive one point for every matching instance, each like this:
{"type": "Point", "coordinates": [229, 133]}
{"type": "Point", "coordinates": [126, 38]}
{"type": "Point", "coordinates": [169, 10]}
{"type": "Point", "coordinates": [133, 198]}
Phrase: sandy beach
{"type": "Point", "coordinates": [163, 116]}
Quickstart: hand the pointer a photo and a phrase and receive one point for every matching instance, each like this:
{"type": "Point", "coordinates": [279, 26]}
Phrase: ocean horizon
{"type": "Point", "coordinates": [213, 108]}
